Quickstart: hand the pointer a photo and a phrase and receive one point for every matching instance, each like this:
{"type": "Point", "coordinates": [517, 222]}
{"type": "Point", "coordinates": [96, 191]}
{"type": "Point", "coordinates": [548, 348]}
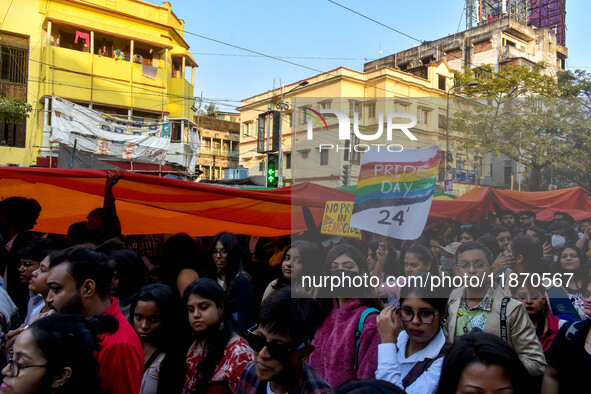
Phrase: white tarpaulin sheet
{"type": "Point", "coordinates": [107, 135]}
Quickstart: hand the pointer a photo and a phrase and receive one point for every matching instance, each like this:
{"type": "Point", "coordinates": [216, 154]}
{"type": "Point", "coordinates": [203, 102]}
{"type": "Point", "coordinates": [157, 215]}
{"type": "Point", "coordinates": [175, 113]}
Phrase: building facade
{"type": "Point", "coordinates": [501, 42]}
{"type": "Point", "coordinates": [126, 58]}
{"type": "Point", "coordinates": [218, 149]}
{"type": "Point", "coordinates": [371, 95]}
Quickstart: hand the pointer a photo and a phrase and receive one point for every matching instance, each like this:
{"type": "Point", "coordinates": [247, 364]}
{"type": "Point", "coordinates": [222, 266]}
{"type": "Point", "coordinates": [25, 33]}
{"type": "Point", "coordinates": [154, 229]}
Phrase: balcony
{"type": "Point", "coordinates": [180, 98]}
{"type": "Point", "coordinates": [510, 52]}
{"type": "Point", "coordinates": [83, 76]}
{"type": "Point", "coordinates": [232, 154]}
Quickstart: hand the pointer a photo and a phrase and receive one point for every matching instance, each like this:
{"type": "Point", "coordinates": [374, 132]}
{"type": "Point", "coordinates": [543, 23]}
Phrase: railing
{"type": "Point", "coordinates": [218, 152]}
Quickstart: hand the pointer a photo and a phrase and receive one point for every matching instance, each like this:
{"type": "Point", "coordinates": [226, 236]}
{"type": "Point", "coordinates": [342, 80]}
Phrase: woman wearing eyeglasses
{"type": "Point", "coordinates": [55, 355]}
{"type": "Point", "coordinates": [413, 342]}
{"type": "Point", "coordinates": [226, 253]}
{"type": "Point", "coordinates": [218, 356]}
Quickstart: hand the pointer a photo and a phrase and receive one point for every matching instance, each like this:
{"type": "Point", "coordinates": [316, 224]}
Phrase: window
{"type": "Point", "coordinates": [324, 158]}
{"type": "Point", "coordinates": [262, 166]}
{"type": "Point", "coordinates": [247, 128]}
{"type": "Point", "coordinates": [442, 82]}
{"type": "Point", "coordinates": [324, 105]}
{"type": "Point", "coordinates": [287, 161]}
{"type": "Point", "coordinates": [355, 106]}
{"type": "Point", "coordinates": [13, 134]}
{"type": "Point", "coordinates": [13, 64]}
{"type": "Point", "coordinates": [423, 116]}
{"type": "Point", "coordinates": [441, 121]}
{"type": "Point", "coordinates": [508, 173]}
{"type": "Point", "coordinates": [305, 154]}
{"type": "Point", "coordinates": [371, 110]}
{"type": "Point", "coordinates": [401, 107]}
{"type": "Point", "coordinates": [176, 132]}
{"type": "Point", "coordinates": [302, 115]}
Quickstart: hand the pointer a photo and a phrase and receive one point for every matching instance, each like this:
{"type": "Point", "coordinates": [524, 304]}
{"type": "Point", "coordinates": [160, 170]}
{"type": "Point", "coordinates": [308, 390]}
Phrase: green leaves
{"type": "Point", "coordinates": [14, 109]}
{"type": "Point", "coordinates": [524, 114]}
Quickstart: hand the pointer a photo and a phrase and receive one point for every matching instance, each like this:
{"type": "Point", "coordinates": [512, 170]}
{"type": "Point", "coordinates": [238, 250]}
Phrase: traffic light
{"type": "Point", "coordinates": [551, 130]}
{"type": "Point", "coordinates": [272, 171]}
{"type": "Point", "coordinates": [346, 174]}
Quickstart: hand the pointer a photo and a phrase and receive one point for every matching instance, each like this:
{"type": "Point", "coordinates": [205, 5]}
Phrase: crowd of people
{"type": "Point", "coordinates": [98, 312]}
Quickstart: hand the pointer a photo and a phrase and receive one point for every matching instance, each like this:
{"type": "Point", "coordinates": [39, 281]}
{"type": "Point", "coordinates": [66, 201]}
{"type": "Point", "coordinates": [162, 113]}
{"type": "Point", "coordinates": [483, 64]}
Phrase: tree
{"type": "Point", "coordinates": [517, 112]}
{"type": "Point", "coordinates": [212, 110]}
{"type": "Point", "coordinates": [14, 109]}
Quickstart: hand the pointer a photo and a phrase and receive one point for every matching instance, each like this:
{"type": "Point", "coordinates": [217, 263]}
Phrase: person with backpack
{"type": "Point", "coordinates": [413, 342]}
{"type": "Point", "coordinates": [347, 341]}
{"type": "Point", "coordinates": [482, 306]}
{"type": "Point", "coordinates": [569, 359]}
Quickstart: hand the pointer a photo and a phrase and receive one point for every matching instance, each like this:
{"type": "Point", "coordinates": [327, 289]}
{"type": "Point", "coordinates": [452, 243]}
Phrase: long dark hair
{"type": "Point", "coordinates": [168, 304]}
{"type": "Point", "coordinates": [132, 274]}
{"type": "Point", "coordinates": [217, 336]}
{"type": "Point", "coordinates": [579, 274]}
{"type": "Point", "coordinates": [531, 251]}
{"type": "Point", "coordinates": [352, 252]}
{"type": "Point", "coordinates": [70, 341]}
{"type": "Point", "coordinates": [234, 265]}
{"type": "Point", "coordinates": [482, 348]}
{"type": "Point", "coordinates": [310, 259]}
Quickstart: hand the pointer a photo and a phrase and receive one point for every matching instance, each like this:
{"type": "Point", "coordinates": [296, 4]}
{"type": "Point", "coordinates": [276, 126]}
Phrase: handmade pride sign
{"type": "Point", "coordinates": [394, 191]}
{"type": "Point", "coordinates": [335, 221]}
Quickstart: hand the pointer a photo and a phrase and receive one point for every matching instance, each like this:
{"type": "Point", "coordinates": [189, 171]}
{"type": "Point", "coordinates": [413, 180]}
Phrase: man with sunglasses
{"type": "Point", "coordinates": [281, 343]}
{"type": "Point", "coordinates": [478, 306]}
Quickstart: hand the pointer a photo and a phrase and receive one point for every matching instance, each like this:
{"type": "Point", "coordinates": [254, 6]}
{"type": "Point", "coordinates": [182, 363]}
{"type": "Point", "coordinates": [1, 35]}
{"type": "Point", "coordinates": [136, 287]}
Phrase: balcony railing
{"type": "Point", "coordinates": [218, 152]}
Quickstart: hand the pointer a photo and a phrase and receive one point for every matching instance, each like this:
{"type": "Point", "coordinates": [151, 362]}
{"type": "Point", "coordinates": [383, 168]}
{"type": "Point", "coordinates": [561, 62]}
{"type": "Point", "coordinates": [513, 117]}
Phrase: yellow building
{"type": "Point", "coordinates": [421, 91]}
{"type": "Point", "coordinates": [123, 57]}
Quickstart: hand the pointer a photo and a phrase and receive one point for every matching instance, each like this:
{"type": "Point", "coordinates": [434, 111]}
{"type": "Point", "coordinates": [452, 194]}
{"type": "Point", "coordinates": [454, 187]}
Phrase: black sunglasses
{"type": "Point", "coordinates": [277, 351]}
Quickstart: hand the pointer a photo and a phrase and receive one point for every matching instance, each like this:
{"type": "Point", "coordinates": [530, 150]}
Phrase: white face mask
{"type": "Point", "coordinates": [558, 241]}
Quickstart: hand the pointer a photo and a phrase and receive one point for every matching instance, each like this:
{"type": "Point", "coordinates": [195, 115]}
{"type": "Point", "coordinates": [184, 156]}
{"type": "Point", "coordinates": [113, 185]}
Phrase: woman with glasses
{"type": "Point", "coordinates": [55, 355]}
{"type": "Point", "coordinates": [218, 355]}
{"type": "Point", "coordinates": [413, 342]}
{"type": "Point", "coordinates": [226, 253]}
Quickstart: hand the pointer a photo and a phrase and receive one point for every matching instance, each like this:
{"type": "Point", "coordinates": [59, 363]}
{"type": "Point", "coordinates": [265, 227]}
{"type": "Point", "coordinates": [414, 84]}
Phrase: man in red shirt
{"type": "Point", "coordinates": [79, 281]}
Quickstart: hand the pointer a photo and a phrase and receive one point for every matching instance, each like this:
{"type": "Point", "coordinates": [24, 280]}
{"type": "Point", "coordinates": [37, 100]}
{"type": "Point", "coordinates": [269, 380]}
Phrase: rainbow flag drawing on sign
{"type": "Point", "coordinates": [395, 190]}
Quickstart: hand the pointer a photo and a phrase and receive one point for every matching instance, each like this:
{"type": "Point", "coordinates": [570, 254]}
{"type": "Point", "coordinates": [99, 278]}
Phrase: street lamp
{"type": "Point", "coordinates": [471, 83]}
{"type": "Point", "coordinates": [282, 105]}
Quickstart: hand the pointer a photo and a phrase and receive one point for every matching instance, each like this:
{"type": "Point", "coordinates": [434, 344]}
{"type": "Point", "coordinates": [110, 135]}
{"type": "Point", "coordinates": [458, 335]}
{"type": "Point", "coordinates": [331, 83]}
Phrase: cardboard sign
{"type": "Point", "coordinates": [395, 190]}
{"type": "Point", "coordinates": [336, 219]}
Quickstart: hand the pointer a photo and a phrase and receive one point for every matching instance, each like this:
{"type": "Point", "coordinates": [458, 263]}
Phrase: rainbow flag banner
{"type": "Point", "coordinates": [395, 190]}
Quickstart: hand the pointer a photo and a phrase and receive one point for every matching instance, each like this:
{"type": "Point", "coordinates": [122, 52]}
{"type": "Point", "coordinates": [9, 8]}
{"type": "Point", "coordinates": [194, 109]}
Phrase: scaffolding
{"type": "Point", "coordinates": [549, 14]}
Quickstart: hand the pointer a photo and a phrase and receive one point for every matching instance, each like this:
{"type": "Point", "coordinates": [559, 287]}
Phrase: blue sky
{"type": "Point", "coordinates": [321, 36]}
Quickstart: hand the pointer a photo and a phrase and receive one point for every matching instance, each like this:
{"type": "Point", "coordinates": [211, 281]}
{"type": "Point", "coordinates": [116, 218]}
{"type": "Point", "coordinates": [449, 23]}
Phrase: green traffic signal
{"type": "Point", "coordinates": [272, 175]}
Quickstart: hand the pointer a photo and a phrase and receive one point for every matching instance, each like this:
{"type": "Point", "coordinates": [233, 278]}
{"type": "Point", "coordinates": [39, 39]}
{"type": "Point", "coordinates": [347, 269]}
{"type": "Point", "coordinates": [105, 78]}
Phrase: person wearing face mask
{"type": "Point", "coordinates": [448, 256]}
{"type": "Point", "coordinates": [559, 235]}
{"type": "Point", "coordinates": [338, 356]}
